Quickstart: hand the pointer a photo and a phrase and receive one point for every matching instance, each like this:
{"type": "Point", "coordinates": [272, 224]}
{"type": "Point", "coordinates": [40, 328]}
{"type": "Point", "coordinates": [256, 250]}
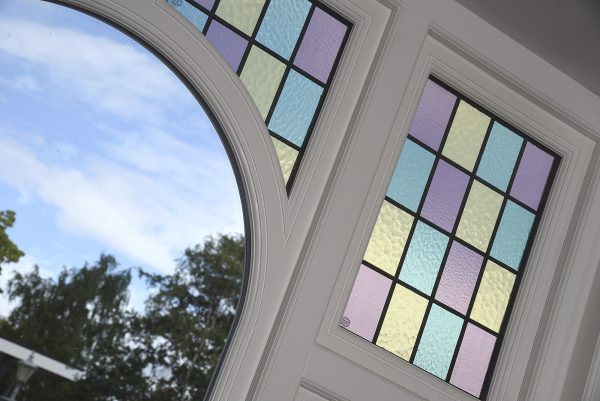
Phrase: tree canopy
{"type": "Point", "coordinates": [9, 252]}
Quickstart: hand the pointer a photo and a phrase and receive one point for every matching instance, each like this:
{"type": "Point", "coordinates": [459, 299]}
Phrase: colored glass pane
{"type": "Point", "coordinates": [466, 135]}
{"type": "Point", "coordinates": [512, 235]}
{"type": "Point", "coordinates": [321, 45]}
{"type": "Point", "coordinates": [287, 157]}
{"type": "Point", "coordinates": [242, 14]}
{"type": "Point", "coordinates": [282, 24]}
{"type": "Point", "coordinates": [411, 175]}
{"type": "Point", "coordinates": [191, 13]}
{"type": "Point", "coordinates": [479, 216]}
{"type": "Point", "coordinates": [499, 157]}
{"type": "Point", "coordinates": [402, 322]}
{"type": "Point", "coordinates": [423, 258]}
{"type": "Point", "coordinates": [388, 238]}
{"type": "Point", "coordinates": [261, 75]}
{"type": "Point", "coordinates": [231, 45]}
{"type": "Point", "coordinates": [493, 295]}
{"type": "Point", "coordinates": [208, 4]}
{"type": "Point", "coordinates": [295, 109]}
{"type": "Point", "coordinates": [532, 176]}
{"type": "Point", "coordinates": [432, 115]}
{"type": "Point", "coordinates": [436, 348]}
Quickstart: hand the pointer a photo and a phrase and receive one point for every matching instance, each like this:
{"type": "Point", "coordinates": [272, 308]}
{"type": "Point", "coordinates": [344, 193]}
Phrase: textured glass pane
{"type": "Point", "coordinates": [532, 175]}
{"type": "Point", "coordinates": [492, 296]}
{"type": "Point", "coordinates": [423, 258]}
{"type": "Point", "coordinates": [295, 108]}
{"type": "Point", "coordinates": [208, 4]}
{"type": "Point", "coordinates": [320, 45]}
{"type": "Point", "coordinates": [459, 277]}
{"type": "Point", "coordinates": [287, 157]}
{"type": "Point", "coordinates": [466, 135]}
{"type": "Point", "coordinates": [445, 195]}
{"type": "Point", "coordinates": [231, 45]}
{"type": "Point", "coordinates": [479, 216]}
{"type": "Point", "coordinates": [262, 75]}
{"type": "Point", "coordinates": [411, 175]}
{"type": "Point", "coordinates": [402, 322]}
{"type": "Point", "coordinates": [366, 302]}
{"type": "Point", "coordinates": [432, 115]}
{"type": "Point", "coordinates": [438, 342]}
{"type": "Point", "coordinates": [512, 235]}
{"type": "Point", "coordinates": [282, 24]}
{"type": "Point", "coordinates": [243, 14]}
{"type": "Point", "coordinates": [191, 13]}
{"type": "Point", "coordinates": [388, 238]}
{"type": "Point", "coordinates": [499, 157]}
{"type": "Point", "coordinates": [473, 359]}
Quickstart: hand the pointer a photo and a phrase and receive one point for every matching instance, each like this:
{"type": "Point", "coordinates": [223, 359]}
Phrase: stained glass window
{"type": "Point", "coordinates": [450, 244]}
{"type": "Point", "coordinates": [285, 52]}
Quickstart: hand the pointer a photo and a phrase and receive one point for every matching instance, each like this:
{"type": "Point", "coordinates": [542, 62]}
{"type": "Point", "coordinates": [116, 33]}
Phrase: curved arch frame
{"type": "Point", "coordinates": [243, 133]}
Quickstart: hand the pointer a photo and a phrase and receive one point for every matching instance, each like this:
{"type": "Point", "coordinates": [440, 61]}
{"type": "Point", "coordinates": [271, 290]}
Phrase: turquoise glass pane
{"type": "Point", "coordinates": [411, 175]}
{"type": "Point", "coordinates": [499, 157]}
{"type": "Point", "coordinates": [423, 258]}
{"type": "Point", "coordinates": [512, 235]}
{"type": "Point", "coordinates": [282, 24]}
{"type": "Point", "coordinates": [191, 13]}
{"type": "Point", "coordinates": [296, 108]}
{"type": "Point", "coordinates": [438, 341]}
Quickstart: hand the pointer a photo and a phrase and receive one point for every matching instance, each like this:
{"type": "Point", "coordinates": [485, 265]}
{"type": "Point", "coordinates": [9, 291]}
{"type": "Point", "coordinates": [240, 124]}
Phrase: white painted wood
{"type": "Point", "coordinates": [305, 250]}
{"type": "Point", "coordinates": [592, 386]}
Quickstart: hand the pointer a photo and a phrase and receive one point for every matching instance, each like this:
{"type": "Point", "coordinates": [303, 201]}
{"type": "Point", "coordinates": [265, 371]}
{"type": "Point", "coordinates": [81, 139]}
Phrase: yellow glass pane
{"type": "Point", "coordinates": [388, 238]}
{"type": "Point", "coordinates": [402, 322]}
{"type": "Point", "coordinates": [287, 157]}
{"type": "Point", "coordinates": [466, 135]}
{"type": "Point", "coordinates": [479, 216]}
{"type": "Point", "coordinates": [492, 297]}
{"type": "Point", "coordinates": [243, 14]}
{"type": "Point", "coordinates": [261, 76]}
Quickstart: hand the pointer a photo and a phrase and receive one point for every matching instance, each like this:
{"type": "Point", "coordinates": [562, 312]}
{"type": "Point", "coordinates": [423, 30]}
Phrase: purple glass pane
{"type": "Point", "coordinates": [445, 195]}
{"type": "Point", "coordinates": [320, 45]}
{"type": "Point", "coordinates": [532, 175]}
{"type": "Point", "coordinates": [432, 115]}
{"type": "Point", "coordinates": [366, 302]}
{"type": "Point", "coordinates": [228, 43]}
{"type": "Point", "coordinates": [459, 277]}
{"type": "Point", "coordinates": [206, 3]}
{"type": "Point", "coordinates": [473, 360]}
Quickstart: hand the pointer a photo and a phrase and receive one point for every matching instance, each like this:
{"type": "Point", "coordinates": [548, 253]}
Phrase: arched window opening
{"type": "Point", "coordinates": [122, 232]}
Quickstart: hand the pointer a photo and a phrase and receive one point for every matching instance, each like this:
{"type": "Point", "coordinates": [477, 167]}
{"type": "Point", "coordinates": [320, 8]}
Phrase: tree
{"type": "Point", "coordinates": [189, 318]}
{"type": "Point", "coordinates": [9, 252]}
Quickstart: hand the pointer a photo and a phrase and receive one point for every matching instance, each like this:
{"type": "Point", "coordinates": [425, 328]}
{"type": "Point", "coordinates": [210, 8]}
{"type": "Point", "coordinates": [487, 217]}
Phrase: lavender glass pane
{"type": "Point", "coordinates": [532, 175]}
{"type": "Point", "coordinates": [459, 277]}
{"type": "Point", "coordinates": [320, 45]}
{"type": "Point", "coordinates": [473, 360]}
{"type": "Point", "coordinates": [432, 115]}
{"type": "Point", "coordinates": [445, 195]}
{"type": "Point", "coordinates": [228, 43]}
{"type": "Point", "coordinates": [206, 3]}
{"type": "Point", "coordinates": [366, 302]}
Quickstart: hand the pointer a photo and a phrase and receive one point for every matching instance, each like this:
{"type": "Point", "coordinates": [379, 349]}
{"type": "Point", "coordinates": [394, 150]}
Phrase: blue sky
{"type": "Point", "coordinates": [102, 148]}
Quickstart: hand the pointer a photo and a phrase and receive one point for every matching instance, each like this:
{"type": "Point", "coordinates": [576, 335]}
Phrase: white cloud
{"type": "Point", "coordinates": [107, 75]}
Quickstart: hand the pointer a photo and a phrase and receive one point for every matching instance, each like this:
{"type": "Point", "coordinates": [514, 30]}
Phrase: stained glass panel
{"type": "Point", "coordinates": [445, 257]}
{"type": "Point", "coordinates": [285, 52]}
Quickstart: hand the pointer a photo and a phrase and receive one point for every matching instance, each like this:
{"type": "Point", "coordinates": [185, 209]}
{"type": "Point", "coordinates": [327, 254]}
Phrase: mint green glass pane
{"type": "Point", "coordinates": [438, 341]}
{"type": "Point", "coordinates": [499, 157]}
{"type": "Point", "coordinates": [512, 235]}
{"type": "Point", "coordinates": [423, 258]}
{"type": "Point", "coordinates": [411, 175]}
{"type": "Point", "coordinates": [191, 13]}
{"type": "Point", "coordinates": [281, 26]}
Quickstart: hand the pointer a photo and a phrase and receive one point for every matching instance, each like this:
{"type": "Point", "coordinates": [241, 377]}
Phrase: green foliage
{"type": "Point", "coordinates": [168, 353]}
{"type": "Point", "coordinates": [9, 252]}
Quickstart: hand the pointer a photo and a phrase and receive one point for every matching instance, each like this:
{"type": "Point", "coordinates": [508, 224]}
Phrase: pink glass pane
{"type": "Point", "coordinates": [366, 302]}
{"type": "Point", "coordinates": [320, 46]}
{"type": "Point", "coordinates": [445, 195]}
{"type": "Point", "coordinates": [206, 3]}
{"type": "Point", "coordinates": [473, 359]}
{"type": "Point", "coordinates": [228, 43]}
{"type": "Point", "coordinates": [459, 277]}
{"type": "Point", "coordinates": [433, 113]}
{"type": "Point", "coordinates": [532, 175]}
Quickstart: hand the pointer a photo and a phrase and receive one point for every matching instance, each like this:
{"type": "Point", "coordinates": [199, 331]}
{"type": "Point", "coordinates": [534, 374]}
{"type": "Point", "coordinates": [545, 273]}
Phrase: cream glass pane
{"type": "Point", "coordinates": [479, 216]}
{"type": "Point", "coordinates": [287, 157]}
{"type": "Point", "coordinates": [493, 295]}
{"type": "Point", "coordinates": [243, 14]}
